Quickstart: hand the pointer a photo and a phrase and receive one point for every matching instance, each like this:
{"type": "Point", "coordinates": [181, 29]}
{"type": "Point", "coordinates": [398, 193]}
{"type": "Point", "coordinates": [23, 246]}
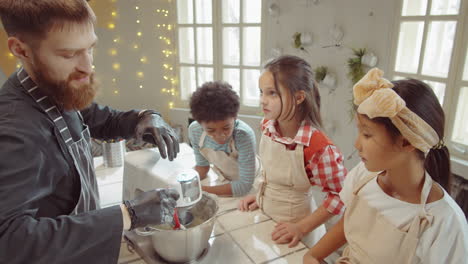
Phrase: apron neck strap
{"type": "Point", "coordinates": [203, 137]}
{"type": "Point", "coordinates": [45, 104]}
{"type": "Point", "coordinates": [364, 181]}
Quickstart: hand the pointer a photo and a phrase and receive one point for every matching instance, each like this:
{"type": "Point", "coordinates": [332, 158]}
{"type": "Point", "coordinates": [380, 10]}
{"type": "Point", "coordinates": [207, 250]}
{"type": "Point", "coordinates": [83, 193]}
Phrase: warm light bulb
{"type": "Point", "coordinates": [166, 78]}
{"type": "Point", "coordinates": [114, 80]}
{"type": "Point", "coordinates": [158, 25]}
{"type": "Point", "coordinates": [139, 33]}
{"type": "Point", "coordinates": [169, 27]}
{"type": "Point", "coordinates": [93, 66]}
{"type": "Point", "coordinates": [138, 21]}
{"type": "Point", "coordinates": [140, 74]}
{"type": "Point", "coordinates": [165, 15]}
{"type": "Point", "coordinates": [116, 66]}
{"type": "Point", "coordinates": [114, 14]}
{"type": "Point", "coordinates": [137, 7]}
{"type": "Point", "coordinates": [113, 52]}
{"type": "Point", "coordinates": [116, 92]}
{"type": "Point", "coordinates": [135, 46]}
{"type": "Point", "coordinates": [168, 41]}
{"type": "Point", "coordinates": [141, 86]}
{"type": "Point", "coordinates": [171, 105]}
{"type": "Point", "coordinates": [111, 26]}
{"type": "Point", "coordinates": [10, 55]}
{"type": "Point", "coordinates": [116, 40]}
{"type": "Point", "coordinates": [166, 66]}
{"type": "Point", "coordinates": [164, 90]}
{"type": "Point", "coordinates": [143, 59]}
{"type": "Point", "coordinates": [158, 10]}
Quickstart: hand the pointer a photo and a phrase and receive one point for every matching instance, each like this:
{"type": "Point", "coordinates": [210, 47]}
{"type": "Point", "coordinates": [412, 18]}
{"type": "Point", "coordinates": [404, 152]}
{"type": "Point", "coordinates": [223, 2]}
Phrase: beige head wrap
{"type": "Point", "coordinates": [375, 98]}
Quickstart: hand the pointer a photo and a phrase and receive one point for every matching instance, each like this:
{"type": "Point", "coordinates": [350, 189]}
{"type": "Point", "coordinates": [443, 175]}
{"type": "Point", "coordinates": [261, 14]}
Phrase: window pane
{"type": "Point", "coordinates": [205, 45]}
{"type": "Point", "coordinates": [185, 11]}
{"type": "Point", "coordinates": [252, 10]}
{"type": "Point", "coordinates": [186, 45]}
{"type": "Point", "coordinates": [445, 7]}
{"type": "Point", "coordinates": [231, 46]}
{"type": "Point", "coordinates": [250, 93]}
{"type": "Point", "coordinates": [203, 11]}
{"type": "Point", "coordinates": [439, 90]}
{"type": "Point", "coordinates": [251, 46]}
{"type": "Point", "coordinates": [465, 74]}
{"type": "Point", "coordinates": [409, 46]}
{"type": "Point", "coordinates": [187, 82]}
{"type": "Point", "coordinates": [397, 77]}
{"type": "Point", "coordinates": [231, 11]}
{"type": "Point", "coordinates": [205, 74]}
{"type": "Point", "coordinates": [441, 35]}
{"type": "Point", "coordinates": [232, 76]}
{"type": "Point", "coordinates": [460, 131]}
{"type": "Point", "coordinates": [414, 8]}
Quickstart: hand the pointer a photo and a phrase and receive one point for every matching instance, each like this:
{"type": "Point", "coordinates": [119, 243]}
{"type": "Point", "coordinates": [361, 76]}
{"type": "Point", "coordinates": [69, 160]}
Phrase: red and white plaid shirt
{"type": "Point", "coordinates": [325, 168]}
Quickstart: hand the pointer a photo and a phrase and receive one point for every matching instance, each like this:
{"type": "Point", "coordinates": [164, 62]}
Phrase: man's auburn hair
{"type": "Point", "coordinates": [32, 19]}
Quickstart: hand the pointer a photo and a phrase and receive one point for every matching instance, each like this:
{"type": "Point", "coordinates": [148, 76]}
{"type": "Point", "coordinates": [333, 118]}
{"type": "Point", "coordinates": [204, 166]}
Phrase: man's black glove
{"type": "Point", "coordinates": [153, 207]}
{"type": "Point", "coordinates": [153, 129]}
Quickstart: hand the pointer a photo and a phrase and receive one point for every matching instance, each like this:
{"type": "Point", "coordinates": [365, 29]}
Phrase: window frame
{"type": "Point", "coordinates": [217, 26]}
{"type": "Point", "coordinates": [454, 80]}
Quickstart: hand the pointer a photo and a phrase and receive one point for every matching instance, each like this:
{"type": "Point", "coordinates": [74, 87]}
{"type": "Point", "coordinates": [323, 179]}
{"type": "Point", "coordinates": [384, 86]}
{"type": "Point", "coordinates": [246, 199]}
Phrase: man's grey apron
{"type": "Point", "coordinates": [80, 150]}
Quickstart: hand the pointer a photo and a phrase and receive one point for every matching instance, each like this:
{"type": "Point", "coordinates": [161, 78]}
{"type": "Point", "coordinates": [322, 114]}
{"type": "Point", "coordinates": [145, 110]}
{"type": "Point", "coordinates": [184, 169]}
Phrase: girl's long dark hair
{"type": "Point", "coordinates": [420, 99]}
{"type": "Point", "coordinates": [295, 74]}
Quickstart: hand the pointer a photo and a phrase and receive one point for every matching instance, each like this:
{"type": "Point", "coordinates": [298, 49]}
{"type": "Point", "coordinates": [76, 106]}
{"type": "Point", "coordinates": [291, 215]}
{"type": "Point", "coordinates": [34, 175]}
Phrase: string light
{"type": "Point", "coordinates": [111, 26]}
{"type": "Point", "coordinates": [116, 66]}
{"type": "Point", "coordinates": [10, 55]}
{"type": "Point", "coordinates": [167, 52]}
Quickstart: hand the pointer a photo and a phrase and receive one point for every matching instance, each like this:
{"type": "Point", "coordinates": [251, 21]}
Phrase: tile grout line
{"type": "Point", "coordinates": [238, 245]}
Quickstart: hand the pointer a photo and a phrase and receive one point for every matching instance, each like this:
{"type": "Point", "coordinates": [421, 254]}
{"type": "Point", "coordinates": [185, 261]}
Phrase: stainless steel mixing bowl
{"type": "Point", "coordinates": [183, 246]}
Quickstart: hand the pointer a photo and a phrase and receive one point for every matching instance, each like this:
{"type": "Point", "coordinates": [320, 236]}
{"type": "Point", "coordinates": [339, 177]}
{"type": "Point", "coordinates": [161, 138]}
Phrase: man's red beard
{"type": "Point", "coordinates": [63, 93]}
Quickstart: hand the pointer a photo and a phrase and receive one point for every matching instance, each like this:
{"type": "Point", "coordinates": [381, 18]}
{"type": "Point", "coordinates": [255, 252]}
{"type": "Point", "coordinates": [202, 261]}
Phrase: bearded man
{"type": "Point", "coordinates": [48, 192]}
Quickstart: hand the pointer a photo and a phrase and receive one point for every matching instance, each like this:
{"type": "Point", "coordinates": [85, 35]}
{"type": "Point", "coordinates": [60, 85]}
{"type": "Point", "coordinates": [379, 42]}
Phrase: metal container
{"type": "Point", "coordinates": [113, 153]}
{"type": "Point", "coordinates": [184, 246]}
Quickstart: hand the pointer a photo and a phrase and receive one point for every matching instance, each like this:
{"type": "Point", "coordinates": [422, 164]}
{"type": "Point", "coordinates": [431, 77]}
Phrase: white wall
{"type": "Point", "coordinates": [366, 24]}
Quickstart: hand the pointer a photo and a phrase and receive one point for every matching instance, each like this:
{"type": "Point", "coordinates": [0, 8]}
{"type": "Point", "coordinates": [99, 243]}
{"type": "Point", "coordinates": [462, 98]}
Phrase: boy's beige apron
{"type": "Point", "coordinates": [225, 165]}
{"type": "Point", "coordinates": [283, 192]}
{"type": "Point", "coordinates": [373, 239]}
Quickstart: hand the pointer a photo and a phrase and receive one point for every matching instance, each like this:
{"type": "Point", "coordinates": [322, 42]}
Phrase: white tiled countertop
{"type": "Point", "coordinates": [237, 237]}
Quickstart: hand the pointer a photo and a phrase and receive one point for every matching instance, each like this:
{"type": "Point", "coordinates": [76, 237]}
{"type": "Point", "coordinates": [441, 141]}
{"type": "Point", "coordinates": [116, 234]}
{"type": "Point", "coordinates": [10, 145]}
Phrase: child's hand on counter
{"type": "Point", "coordinates": [248, 203]}
{"type": "Point", "coordinates": [287, 233]}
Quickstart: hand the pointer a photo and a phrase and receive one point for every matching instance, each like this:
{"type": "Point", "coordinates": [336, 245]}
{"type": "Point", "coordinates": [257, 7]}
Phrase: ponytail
{"type": "Point", "coordinates": [437, 164]}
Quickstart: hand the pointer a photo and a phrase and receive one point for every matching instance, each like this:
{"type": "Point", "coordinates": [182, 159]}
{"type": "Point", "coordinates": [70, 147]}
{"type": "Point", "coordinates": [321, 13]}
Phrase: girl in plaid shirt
{"type": "Point", "coordinates": [295, 155]}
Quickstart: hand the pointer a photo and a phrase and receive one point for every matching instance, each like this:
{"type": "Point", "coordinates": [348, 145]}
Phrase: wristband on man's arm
{"type": "Point", "coordinates": [131, 212]}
